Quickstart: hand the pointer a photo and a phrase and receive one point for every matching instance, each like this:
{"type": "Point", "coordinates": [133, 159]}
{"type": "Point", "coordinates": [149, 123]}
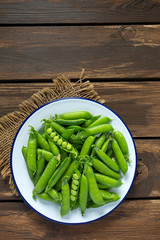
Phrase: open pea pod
{"type": "Point", "coordinates": [59, 140]}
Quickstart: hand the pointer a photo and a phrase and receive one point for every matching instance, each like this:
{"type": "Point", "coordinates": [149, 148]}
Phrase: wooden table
{"type": "Point", "coordinates": [118, 44]}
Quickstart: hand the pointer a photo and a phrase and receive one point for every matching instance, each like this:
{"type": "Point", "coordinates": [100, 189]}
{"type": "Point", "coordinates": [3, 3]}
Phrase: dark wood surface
{"type": "Point", "coordinates": [104, 51]}
{"type": "Point", "coordinates": [70, 11]}
{"type": "Point", "coordinates": [118, 44]}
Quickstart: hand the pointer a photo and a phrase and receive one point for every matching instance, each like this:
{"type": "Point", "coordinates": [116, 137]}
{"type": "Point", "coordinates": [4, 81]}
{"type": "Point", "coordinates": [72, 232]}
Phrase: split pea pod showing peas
{"type": "Point", "coordinates": [76, 115]}
{"type": "Point", "coordinates": [65, 202]}
{"type": "Point", "coordinates": [58, 140]}
{"type": "Point", "coordinates": [94, 192]}
{"type": "Point", "coordinates": [108, 181]}
{"type": "Point", "coordinates": [107, 160]}
{"type": "Point", "coordinates": [119, 156]}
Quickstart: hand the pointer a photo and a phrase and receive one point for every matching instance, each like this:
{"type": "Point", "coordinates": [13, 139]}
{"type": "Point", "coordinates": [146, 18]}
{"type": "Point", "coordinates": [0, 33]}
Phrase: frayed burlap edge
{"type": "Point", "coordinates": [10, 123]}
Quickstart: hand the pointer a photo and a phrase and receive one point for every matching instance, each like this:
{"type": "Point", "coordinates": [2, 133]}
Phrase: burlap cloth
{"type": "Point", "coordinates": [10, 123]}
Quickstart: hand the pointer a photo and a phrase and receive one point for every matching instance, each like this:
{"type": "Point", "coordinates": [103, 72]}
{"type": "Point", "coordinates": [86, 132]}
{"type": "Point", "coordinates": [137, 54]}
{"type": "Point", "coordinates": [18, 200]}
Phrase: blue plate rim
{"type": "Point", "coordinates": [42, 215]}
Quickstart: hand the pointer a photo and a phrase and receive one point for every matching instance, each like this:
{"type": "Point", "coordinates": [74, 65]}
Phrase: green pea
{"type": "Point", "coordinates": [73, 198]}
{"type": "Point", "coordinates": [75, 176]}
{"type": "Point", "coordinates": [64, 144]}
{"type": "Point", "coordinates": [56, 138]}
{"type": "Point", "coordinates": [119, 156]}
{"type": "Point", "coordinates": [49, 130]}
{"type": "Point", "coordinates": [69, 146]}
{"type": "Point", "coordinates": [59, 142]}
{"type": "Point", "coordinates": [74, 187]}
{"type": "Point", "coordinates": [94, 192]}
{"type": "Point", "coordinates": [53, 134]}
{"type": "Point", "coordinates": [65, 203]}
{"type": "Point", "coordinates": [75, 182]}
{"type": "Point", "coordinates": [73, 192]}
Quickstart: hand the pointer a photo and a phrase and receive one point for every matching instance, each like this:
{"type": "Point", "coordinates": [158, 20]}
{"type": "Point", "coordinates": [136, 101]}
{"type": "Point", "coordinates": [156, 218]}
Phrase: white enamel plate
{"type": "Point", "coordinates": [20, 175]}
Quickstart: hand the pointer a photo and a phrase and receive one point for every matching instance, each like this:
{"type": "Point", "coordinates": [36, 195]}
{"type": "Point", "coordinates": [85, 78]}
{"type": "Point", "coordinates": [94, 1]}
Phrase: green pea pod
{"type": "Point", "coordinates": [108, 181]}
{"type": "Point", "coordinates": [57, 127]}
{"type": "Point", "coordinates": [58, 173]}
{"type": "Point", "coordinates": [54, 148]}
{"type": "Point", "coordinates": [102, 120]}
{"type": "Point", "coordinates": [103, 128]}
{"type": "Point", "coordinates": [102, 168]}
{"type": "Point", "coordinates": [109, 153]}
{"type": "Point", "coordinates": [87, 146]}
{"type": "Point", "coordinates": [122, 143]}
{"type": "Point", "coordinates": [68, 173]}
{"type": "Point", "coordinates": [94, 192]}
{"type": "Point", "coordinates": [63, 155]}
{"type": "Point", "coordinates": [105, 144]}
{"type": "Point", "coordinates": [93, 205]}
{"type": "Point", "coordinates": [40, 168]}
{"type": "Point", "coordinates": [32, 152]}
{"type": "Point", "coordinates": [76, 129]}
{"type": "Point", "coordinates": [119, 156]}
{"type": "Point", "coordinates": [58, 140]}
{"type": "Point", "coordinates": [83, 194]}
{"type": "Point", "coordinates": [101, 186]}
{"type": "Point", "coordinates": [76, 115]}
{"type": "Point", "coordinates": [46, 197]}
{"type": "Point", "coordinates": [108, 195]}
{"type": "Point", "coordinates": [46, 154]}
{"type": "Point", "coordinates": [65, 202]}
{"type": "Point", "coordinates": [42, 142]}
{"type": "Point", "coordinates": [54, 194]}
{"type": "Point", "coordinates": [70, 122]}
{"type": "Point", "coordinates": [90, 121]}
{"type": "Point", "coordinates": [43, 181]}
{"type": "Point", "coordinates": [67, 134]}
{"type": "Point", "coordinates": [107, 160]}
{"type": "Point", "coordinates": [99, 142]}
{"type": "Point", "coordinates": [30, 172]}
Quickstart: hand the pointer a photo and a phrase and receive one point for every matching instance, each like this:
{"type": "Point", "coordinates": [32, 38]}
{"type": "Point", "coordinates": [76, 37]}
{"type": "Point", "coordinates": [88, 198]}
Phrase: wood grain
{"type": "Point", "coordinates": [131, 220]}
{"type": "Point", "coordinates": [147, 179]}
{"type": "Point", "coordinates": [70, 11]}
{"type": "Point", "coordinates": [105, 52]}
{"type": "Point", "coordinates": [135, 102]}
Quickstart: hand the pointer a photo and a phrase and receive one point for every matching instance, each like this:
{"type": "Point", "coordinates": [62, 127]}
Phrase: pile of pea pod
{"type": "Point", "coordinates": [75, 159]}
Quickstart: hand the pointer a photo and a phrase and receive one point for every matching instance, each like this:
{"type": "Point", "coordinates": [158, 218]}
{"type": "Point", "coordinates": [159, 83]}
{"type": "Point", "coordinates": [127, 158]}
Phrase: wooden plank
{"type": "Point", "coordinates": [147, 179]}
{"type": "Point", "coordinates": [135, 102]}
{"type": "Point", "coordinates": [41, 11]}
{"type": "Point", "coordinates": [105, 52]}
{"type": "Point", "coordinates": [131, 220]}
